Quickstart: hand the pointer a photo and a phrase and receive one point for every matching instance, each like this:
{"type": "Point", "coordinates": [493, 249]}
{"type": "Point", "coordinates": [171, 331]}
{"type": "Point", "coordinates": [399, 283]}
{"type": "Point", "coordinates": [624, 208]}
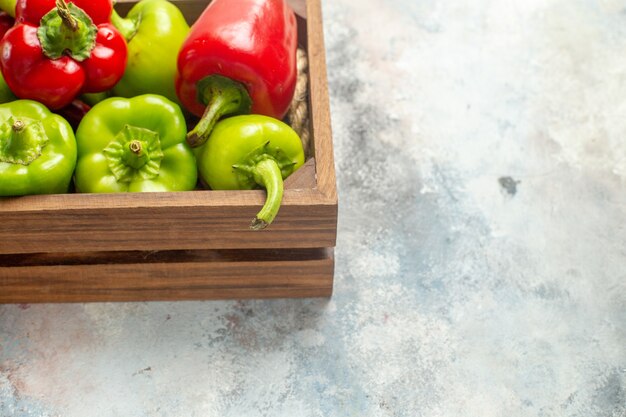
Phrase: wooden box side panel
{"type": "Point", "coordinates": [175, 276]}
{"type": "Point", "coordinates": [193, 220]}
{"type": "Point", "coordinates": [319, 103]}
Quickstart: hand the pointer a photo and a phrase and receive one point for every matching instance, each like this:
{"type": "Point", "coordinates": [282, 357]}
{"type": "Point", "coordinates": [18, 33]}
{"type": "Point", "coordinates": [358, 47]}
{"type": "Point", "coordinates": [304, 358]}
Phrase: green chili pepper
{"type": "Point", "coordinates": [246, 152]}
{"type": "Point", "coordinates": [37, 150]}
{"type": "Point", "coordinates": [135, 144]}
{"type": "Point", "coordinates": [155, 31]}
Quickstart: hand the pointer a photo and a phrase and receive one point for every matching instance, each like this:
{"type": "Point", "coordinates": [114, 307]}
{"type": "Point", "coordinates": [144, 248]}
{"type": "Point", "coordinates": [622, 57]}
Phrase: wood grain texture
{"type": "Point", "coordinates": [194, 276]}
{"type": "Point", "coordinates": [304, 178]}
{"type": "Point", "coordinates": [163, 221]}
{"type": "Point", "coordinates": [319, 103]}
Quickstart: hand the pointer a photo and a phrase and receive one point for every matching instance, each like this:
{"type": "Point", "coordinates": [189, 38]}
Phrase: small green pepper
{"type": "Point", "coordinates": [155, 31]}
{"type": "Point", "coordinates": [37, 150]}
{"type": "Point", "coordinates": [135, 144]}
{"type": "Point", "coordinates": [246, 152]}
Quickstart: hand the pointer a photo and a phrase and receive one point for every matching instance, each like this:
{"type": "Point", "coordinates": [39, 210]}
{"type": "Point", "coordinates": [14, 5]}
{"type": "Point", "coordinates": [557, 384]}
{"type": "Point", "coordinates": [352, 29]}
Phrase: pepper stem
{"type": "Point", "coordinates": [64, 13]}
{"type": "Point", "coordinates": [127, 27]}
{"type": "Point", "coordinates": [135, 147]}
{"type": "Point", "coordinates": [67, 30]}
{"type": "Point", "coordinates": [222, 97]}
{"type": "Point", "coordinates": [136, 158]}
{"type": "Point", "coordinates": [267, 174]}
{"type": "Point", "coordinates": [135, 152]}
{"type": "Point", "coordinates": [21, 141]}
{"type": "Point", "coordinates": [18, 126]}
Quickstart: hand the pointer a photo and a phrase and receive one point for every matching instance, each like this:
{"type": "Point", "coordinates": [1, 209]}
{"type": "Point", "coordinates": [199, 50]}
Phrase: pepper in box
{"type": "Point", "coordinates": [37, 150]}
{"type": "Point", "coordinates": [154, 30]}
{"type": "Point", "coordinates": [133, 145]}
{"type": "Point", "coordinates": [58, 50]}
{"type": "Point", "coordinates": [239, 57]}
{"type": "Point", "coordinates": [251, 151]}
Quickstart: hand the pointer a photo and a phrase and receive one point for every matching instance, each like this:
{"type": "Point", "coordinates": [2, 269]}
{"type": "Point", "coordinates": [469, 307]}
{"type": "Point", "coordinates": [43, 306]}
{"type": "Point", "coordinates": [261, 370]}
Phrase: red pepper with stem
{"type": "Point", "coordinates": [58, 50]}
{"type": "Point", "coordinates": [239, 57]}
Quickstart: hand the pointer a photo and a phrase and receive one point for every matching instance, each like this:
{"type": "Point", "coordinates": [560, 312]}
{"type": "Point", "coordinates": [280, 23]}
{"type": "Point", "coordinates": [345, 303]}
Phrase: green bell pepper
{"type": "Point", "coordinates": [135, 144]}
{"type": "Point", "coordinates": [246, 152]}
{"type": "Point", "coordinates": [37, 150]}
{"type": "Point", "coordinates": [155, 31]}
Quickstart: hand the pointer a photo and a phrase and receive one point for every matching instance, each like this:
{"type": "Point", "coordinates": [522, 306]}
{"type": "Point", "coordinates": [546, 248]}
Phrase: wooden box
{"type": "Point", "coordinates": [183, 245]}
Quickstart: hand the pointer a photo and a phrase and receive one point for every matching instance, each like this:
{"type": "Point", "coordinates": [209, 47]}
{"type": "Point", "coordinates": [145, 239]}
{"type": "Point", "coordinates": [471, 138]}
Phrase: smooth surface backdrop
{"type": "Point", "coordinates": [481, 258]}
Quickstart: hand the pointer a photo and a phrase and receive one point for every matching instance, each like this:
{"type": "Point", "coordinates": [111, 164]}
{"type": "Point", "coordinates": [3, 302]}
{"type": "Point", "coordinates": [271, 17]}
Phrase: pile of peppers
{"type": "Point", "coordinates": [93, 102]}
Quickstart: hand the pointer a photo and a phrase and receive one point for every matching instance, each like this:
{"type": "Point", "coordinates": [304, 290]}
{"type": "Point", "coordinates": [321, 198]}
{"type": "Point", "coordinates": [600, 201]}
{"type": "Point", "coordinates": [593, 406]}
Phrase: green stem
{"type": "Point", "coordinates": [222, 97]}
{"type": "Point", "coordinates": [18, 126]}
{"type": "Point", "coordinates": [135, 157]}
{"type": "Point", "coordinates": [21, 141]}
{"type": "Point", "coordinates": [134, 152]}
{"type": "Point", "coordinates": [67, 30]}
{"type": "Point", "coordinates": [127, 27]}
{"type": "Point", "coordinates": [267, 174]}
{"type": "Point", "coordinates": [66, 16]}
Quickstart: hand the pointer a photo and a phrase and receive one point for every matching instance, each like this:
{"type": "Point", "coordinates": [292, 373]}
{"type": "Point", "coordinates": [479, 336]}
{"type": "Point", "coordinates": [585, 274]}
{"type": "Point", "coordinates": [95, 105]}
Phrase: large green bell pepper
{"type": "Point", "coordinates": [135, 144]}
{"type": "Point", "coordinates": [251, 151]}
{"type": "Point", "coordinates": [155, 31]}
{"type": "Point", "coordinates": [37, 150]}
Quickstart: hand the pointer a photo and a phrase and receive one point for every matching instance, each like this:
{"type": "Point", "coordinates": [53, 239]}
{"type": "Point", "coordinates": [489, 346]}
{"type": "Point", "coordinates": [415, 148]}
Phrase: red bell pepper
{"type": "Point", "coordinates": [57, 50]}
{"type": "Point", "coordinates": [239, 57]}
